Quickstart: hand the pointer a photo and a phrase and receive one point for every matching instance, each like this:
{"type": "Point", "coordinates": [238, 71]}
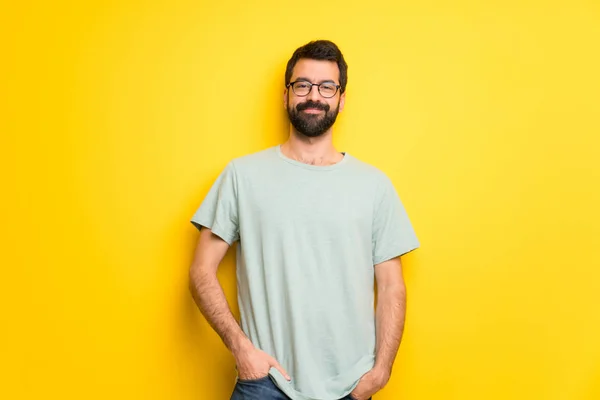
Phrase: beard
{"type": "Point", "coordinates": [312, 125]}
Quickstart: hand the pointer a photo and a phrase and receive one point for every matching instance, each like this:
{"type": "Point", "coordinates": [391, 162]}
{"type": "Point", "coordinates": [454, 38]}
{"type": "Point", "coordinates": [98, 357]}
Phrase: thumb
{"type": "Point", "coordinates": [278, 366]}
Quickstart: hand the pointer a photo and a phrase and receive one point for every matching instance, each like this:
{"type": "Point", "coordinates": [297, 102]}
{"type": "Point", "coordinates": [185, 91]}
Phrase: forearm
{"type": "Point", "coordinates": [210, 298]}
{"type": "Point", "coordinates": [389, 319]}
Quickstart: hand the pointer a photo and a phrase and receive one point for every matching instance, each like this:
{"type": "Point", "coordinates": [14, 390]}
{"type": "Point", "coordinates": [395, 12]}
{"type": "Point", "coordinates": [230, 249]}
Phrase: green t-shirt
{"type": "Point", "coordinates": [309, 237]}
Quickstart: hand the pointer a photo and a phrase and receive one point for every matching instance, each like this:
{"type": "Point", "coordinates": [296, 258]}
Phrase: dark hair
{"type": "Point", "coordinates": [319, 50]}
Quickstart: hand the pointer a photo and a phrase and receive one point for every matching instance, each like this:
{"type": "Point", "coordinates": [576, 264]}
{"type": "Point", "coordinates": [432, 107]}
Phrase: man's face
{"type": "Point", "coordinates": [312, 115]}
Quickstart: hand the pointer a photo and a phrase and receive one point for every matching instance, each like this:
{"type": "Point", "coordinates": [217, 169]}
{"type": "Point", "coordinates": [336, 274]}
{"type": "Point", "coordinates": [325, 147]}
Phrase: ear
{"type": "Point", "coordinates": [342, 101]}
{"type": "Point", "coordinates": [285, 98]}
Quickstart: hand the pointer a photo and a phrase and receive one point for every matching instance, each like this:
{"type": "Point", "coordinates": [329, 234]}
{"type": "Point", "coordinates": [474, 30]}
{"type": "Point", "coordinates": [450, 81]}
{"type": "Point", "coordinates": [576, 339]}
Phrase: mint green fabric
{"type": "Point", "coordinates": [309, 238]}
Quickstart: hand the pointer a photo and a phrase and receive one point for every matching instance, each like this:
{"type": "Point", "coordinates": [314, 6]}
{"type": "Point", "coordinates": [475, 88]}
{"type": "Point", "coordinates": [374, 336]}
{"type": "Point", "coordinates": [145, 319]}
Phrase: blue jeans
{"type": "Point", "coordinates": [262, 389]}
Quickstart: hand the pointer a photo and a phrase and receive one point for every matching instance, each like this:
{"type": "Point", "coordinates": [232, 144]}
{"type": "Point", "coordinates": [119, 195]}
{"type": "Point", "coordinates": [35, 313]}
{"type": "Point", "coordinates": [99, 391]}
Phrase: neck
{"type": "Point", "coordinates": [315, 151]}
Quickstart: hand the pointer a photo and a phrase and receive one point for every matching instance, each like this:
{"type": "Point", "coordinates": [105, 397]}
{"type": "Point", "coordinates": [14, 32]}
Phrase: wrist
{"type": "Point", "coordinates": [381, 375]}
{"type": "Point", "coordinates": [240, 345]}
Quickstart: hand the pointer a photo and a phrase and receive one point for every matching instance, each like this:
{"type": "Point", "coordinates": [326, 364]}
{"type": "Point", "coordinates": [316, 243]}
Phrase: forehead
{"type": "Point", "coordinates": [316, 70]}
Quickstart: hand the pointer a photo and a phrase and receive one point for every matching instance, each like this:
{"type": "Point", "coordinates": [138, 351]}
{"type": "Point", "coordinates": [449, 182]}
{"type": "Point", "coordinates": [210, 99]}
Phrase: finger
{"type": "Point", "coordinates": [278, 366]}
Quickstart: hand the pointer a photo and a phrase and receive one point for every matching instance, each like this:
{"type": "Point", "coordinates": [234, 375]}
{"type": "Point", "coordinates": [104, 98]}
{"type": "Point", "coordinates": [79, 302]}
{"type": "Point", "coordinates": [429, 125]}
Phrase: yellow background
{"type": "Point", "coordinates": [117, 116]}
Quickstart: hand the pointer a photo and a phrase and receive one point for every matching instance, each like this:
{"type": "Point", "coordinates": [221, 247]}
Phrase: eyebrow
{"type": "Point", "coordinates": [301, 78]}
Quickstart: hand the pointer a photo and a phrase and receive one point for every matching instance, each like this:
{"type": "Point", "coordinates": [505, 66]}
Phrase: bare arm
{"type": "Point", "coordinates": [390, 313]}
{"type": "Point", "coordinates": [208, 294]}
{"type": "Point", "coordinates": [389, 320]}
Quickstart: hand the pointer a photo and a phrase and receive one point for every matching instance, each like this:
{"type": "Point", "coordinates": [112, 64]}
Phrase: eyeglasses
{"type": "Point", "coordinates": [303, 88]}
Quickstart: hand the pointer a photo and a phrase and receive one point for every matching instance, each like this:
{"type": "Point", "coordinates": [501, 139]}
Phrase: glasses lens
{"type": "Point", "coordinates": [301, 88]}
{"type": "Point", "coordinates": [327, 89]}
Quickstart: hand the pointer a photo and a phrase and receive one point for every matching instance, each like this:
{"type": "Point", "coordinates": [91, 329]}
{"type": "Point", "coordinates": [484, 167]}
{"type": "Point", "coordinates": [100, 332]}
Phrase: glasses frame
{"type": "Point", "coordinates": [318, 85]}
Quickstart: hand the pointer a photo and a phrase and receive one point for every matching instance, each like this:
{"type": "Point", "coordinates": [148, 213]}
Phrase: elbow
{"type": "Point", "coordinates": [194, 280]}
{"type": "Point", "coordinates": [191, 284]}
{"type": "Point", "coordinates": [395, 292]}
{"type": "Point", "coordinates": [198, 276]}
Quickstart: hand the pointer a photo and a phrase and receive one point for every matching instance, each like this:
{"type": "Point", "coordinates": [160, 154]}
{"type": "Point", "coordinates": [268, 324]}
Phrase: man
{"type": "Point", "coordinates": [316, 228]}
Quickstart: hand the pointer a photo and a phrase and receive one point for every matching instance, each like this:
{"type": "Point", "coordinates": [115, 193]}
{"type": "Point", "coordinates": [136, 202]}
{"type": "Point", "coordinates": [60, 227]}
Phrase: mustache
{"type": "Point", "coordinates": [312, 104]}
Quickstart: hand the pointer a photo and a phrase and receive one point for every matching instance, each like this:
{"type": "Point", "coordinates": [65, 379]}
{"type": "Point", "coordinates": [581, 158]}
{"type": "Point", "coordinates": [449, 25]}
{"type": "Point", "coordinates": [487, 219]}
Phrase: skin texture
{"type": "Point", "coordinates": [253, 363]}
{"type": "Point", "coordinates": [389, 320]}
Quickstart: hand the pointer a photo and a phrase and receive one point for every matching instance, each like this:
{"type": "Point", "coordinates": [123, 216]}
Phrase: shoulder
{"type": "Point", "coordinates": [362, 169]}
{"type": "Point", "coordinates": [258, 157]}
{"type": "Point", "coordinates": [253, 163]}
{"type": "Point", "coordinates": [373, 179]}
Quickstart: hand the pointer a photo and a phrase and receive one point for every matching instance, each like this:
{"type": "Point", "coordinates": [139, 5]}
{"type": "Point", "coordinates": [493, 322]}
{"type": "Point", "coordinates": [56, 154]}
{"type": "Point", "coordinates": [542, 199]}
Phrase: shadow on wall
{"type": "Point", "coordinates": [212, 365]}
{"type": "Point", "coordinates": [276, 116]}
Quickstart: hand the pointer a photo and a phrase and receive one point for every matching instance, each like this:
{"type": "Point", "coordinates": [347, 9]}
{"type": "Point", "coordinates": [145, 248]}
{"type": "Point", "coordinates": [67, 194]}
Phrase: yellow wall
{"type": "Point", "coordinates": [117, 117]}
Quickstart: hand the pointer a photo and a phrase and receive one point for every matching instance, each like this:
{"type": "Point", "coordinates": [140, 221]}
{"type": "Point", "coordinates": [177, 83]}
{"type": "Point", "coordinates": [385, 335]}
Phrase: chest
{"type": "Point", "coordinates": [326, 205]}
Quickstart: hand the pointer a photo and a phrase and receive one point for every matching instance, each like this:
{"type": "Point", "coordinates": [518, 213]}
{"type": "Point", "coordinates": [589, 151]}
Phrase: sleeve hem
{"type": "Point", "coordinates": [216, 229]}
{"type": "Point", "coordinates": [394, 254]}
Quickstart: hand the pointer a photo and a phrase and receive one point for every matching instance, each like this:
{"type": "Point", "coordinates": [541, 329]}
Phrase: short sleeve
{"type": "Point", "coordinates": [219, 209]}
{"type": "Point", "coordinates": [393, 234]}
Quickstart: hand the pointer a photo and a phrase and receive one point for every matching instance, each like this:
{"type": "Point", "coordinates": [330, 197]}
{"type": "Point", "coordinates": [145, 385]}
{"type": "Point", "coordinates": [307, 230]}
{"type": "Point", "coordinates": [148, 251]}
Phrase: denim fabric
{"type": "Point", "coordinates": [257, 389]}
{"type": "Point", "coordinates": [261, 389]}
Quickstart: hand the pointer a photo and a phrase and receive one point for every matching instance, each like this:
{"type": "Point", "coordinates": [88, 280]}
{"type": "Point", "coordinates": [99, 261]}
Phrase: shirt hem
{"type": "Point", "coordinates": [361, 368]}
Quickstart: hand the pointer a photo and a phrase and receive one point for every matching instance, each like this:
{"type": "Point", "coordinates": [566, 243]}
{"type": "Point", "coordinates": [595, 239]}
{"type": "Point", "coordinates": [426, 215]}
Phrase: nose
{"type": "Point", "coordinates": [314, 94]}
